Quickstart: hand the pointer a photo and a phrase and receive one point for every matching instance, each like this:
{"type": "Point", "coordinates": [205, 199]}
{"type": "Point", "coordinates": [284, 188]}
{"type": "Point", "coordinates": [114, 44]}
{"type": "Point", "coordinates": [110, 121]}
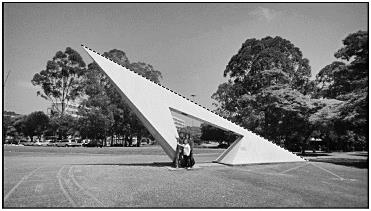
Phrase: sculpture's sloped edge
{"type": "Point", "coordinates": [251, 149]}
{"type": "Point", "coordinates": [151, 103]}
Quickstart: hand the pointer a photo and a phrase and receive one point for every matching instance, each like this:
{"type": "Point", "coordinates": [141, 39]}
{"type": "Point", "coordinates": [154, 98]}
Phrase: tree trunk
{"type": "Point", "coordinates": [328, 143]}
{"type": "Point", "coordinates": [63, 108]}
{"type": "Point", "coordinates": [176, 159]}
{"type": "Point", "coordinates": [304, 145]}
{"type": "Point", "coordinates": [130, 141]}
{"type": "Point", "coordinates": [126, 141]}
{"type": "Point", "coordinates": [139, 137]}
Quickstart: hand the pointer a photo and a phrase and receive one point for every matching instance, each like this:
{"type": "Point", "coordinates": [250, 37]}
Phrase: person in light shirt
{"type": "Point", "coordinates": [186, 153]}
{"type": "Point", "coordinates": [191, 143]}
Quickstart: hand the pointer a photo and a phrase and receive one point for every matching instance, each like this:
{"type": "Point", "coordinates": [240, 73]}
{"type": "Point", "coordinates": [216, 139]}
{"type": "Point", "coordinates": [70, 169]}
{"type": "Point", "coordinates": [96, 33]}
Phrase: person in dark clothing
{"type": "Point", "coordinates": [179, 151]}
{"type": "Point", "coordinates": [186, 154]}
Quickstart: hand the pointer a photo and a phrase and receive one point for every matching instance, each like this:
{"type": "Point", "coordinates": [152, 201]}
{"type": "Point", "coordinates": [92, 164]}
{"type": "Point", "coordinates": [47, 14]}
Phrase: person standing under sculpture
{"type": "Point", "coordinates": [191, 143]}
{"type": "Point", "coordinates": [186, 153]}
{"type": "Point", "coordinates": [179, 150]}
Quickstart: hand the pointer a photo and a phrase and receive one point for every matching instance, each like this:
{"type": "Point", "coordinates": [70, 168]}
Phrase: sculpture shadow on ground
{"type": "Point", "coordinates": [313, 154]}
{"type": "Point", "coordinates": [357, 163]}
{"type": "Point", "coordinates": [153, 164]}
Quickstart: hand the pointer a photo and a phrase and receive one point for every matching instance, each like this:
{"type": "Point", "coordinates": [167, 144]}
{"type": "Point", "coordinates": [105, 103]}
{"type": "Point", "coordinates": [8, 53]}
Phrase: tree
{"type": "Point", "coordinates": [344, 79]}
{"type": "Point", "coordinates": [325, 80]}
{"type": "Point", "coordinates": [287, 113]}
{"type": "Point", "coordinates": [93, 124]}
{"type": "Point", "coordinates": [146, 70]}
{"type": "Point", "coordinates": [267, 62]}
{"type": "Point", "coordinates": [61, 80]}
{"type": "Point", "coordinates": [7, 123]}
{"type": "Point", "coordinates": [209, 132]}
{"type": "Point", "coordinates": [259, 64]}
{"type": "Point", "coordinates": [348, 83]}
{"type": "Point", "coordinates": [326, 121]}
{"type": "Point", "coordinates": [266, 91]}
{"type": "Point", "coordinates": [34, 124]}
{"type": "Point", "coordinates": [62, 126]}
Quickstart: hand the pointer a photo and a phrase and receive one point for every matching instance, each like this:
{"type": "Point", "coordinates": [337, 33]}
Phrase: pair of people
{"type": "Point", "coordinates": [184, 152]}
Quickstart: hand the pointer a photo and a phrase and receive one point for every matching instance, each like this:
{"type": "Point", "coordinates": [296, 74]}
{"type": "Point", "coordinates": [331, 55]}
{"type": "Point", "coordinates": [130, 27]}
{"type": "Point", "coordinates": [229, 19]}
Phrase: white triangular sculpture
{"type": "Point", "coordinates": [153, 103]}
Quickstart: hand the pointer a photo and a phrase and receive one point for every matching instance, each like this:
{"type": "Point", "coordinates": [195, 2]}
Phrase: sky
{"type": "Point", "coordinates": [190, 43]}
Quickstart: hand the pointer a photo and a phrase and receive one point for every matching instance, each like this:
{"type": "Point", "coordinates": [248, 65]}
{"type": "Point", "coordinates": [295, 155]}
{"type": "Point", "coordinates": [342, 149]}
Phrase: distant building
{"type": "Point", "coordinates": [179, 123]}
{"type": "Point", "coordinates": [194, 131]}
{"type": "Point", "coordinates": [71, 108]}
{"type": "Point", "coordinates": [10, 114]}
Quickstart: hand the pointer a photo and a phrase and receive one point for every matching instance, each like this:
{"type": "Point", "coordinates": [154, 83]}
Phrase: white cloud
{"type": "Point", "coordinates": [267, 14]}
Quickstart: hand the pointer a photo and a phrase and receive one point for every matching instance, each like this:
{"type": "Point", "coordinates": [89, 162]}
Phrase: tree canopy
{"type": "Point", "coordinates": [34, 124]}
{"type": "Point", "coordinates": [269, 91]}
{"type": "Point", "coordinates": [61, 80]}
{"type": "Point", "coordinates": [348, 83]}
{"type": "Point", "coordinates": [266, 62]}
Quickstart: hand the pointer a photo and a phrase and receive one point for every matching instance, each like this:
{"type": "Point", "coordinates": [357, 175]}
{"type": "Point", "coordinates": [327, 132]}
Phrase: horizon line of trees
{"type": "Point", "coordinates": [102, 113]}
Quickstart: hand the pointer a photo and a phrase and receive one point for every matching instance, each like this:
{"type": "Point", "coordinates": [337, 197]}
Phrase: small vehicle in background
{"type": "Point", "coordinates": [40, 144]}
{"type": "Point", "coordinates": [62, 143]}
{"type": "Point", "coordinates": [27, 143]}
{"type": "Point", "coordinates": [145, 141]}
{"type": "Point", "coordinates": [51, 143]}
{"type": "Point", "coordinates": [22, 142]}
{"type": "Point", "coordinates": [73, 143]}
{"type": "Point", "coordinates": [68, 143]}
{"type": "Point", "coordinates": [92, 143]}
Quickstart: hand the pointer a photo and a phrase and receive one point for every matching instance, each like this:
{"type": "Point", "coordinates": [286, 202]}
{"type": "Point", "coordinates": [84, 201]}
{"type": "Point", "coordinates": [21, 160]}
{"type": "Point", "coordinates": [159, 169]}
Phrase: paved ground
{"type": "Point", "coordinates": [132, 177]}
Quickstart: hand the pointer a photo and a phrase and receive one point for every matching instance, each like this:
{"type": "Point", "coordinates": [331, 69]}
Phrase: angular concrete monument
{"type": "Point", "coordinates": [153, 103]}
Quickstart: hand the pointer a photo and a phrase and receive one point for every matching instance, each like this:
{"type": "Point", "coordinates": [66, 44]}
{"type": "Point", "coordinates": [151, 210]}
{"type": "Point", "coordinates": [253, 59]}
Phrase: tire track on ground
{"type": "Point", "coordinates": [86, 192]}
{"type": "Point", "coordinates": [19, 183]}
{"type": "Point", "coordinates": [77, 195]}
{"type": "Point", "coordinates": [65, 192]}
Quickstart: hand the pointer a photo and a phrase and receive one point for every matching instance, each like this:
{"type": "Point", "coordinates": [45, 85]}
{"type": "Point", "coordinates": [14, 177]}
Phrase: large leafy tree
{"type": "Point", "coordinates": [62, 126]}
{"type": "Point", "coordinates": [338, 79]}
{"type": "Point", "coordinates": [287, 113]}
{"type": "Point", "coordinates": [34, 124]}
{"type": "Point", "coordinates": [348, 82]}
{"type": "Point", "coordinates": [266, 62]}
{"type": "Point", "coordinates": [325, 80]}
{"type": "Point", "coordinates": [266, 87]}
{"type": "Point", "coordinates": [61, 82]}
{"type": "Point", "coordinates": [95, 111]}
{"type": "Point", "coordinates": [94, 124]}
{"type": "Point", "coordinates": [326, 121]}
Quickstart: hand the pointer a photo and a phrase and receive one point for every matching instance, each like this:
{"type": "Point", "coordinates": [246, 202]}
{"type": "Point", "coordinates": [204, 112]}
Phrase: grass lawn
{"type": "Point", "coordinates": [142, 177]}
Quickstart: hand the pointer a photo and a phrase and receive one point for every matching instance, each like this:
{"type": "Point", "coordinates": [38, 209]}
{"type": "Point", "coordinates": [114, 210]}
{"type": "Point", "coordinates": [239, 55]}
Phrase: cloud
{"type": "Point", "coordinates": [267, 14]}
